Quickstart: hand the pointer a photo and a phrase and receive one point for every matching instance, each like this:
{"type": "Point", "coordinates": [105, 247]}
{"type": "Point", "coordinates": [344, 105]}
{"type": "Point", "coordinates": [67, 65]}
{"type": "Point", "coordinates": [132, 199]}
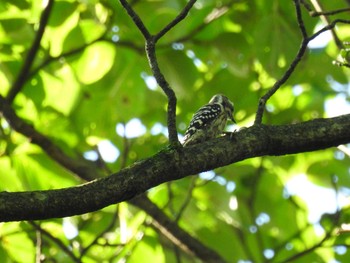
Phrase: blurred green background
{"type": "Point", "coordinates": [90, 90]}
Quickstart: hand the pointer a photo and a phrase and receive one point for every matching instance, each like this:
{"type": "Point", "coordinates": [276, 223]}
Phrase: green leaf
{"type": "Point", "coordinates": [95, 62]}
{"type": "Point", "coordinates": [19, 247]}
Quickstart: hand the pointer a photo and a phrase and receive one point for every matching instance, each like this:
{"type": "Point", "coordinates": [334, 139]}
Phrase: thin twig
{"type": "Point", "coordinates": [280, 248]}
{"type": "Point", "coordinates": [169, 92]}
{"type": "Point", "coordinates": [290, 70]}
{"type": "Point", "coordinates": [300, 19]}
{"type": "Point", "coordinates": [107, 229]}
{"type": "Point", "coordinates": [211, 17]}
{"type": "Point", "coordinates": [171, 196]}
{"type": "Point", "coordinates": [23, 74]}
{"type": "Point", "coordinates": [305, 41]}
{"type": "Point", "coordinates": [330, 13]}
{"type": "Point", "coordinates": [137, 20]}
{"type": "Point", "coordinates": [327, 21]}
{"type": "Point", "coordinates": [306, 251]}
{"type": "Point", "coordinates": [297, 59]}
{"type": "Point", "coordinates": [329, 233]}
{"type": "Point", "coordinates": [181, 16]}
{"type": "Point", "coordinates": [57, 241]}
{"type": "Point", "coordinates": [306, 5]}
{"type": "Point", "coordinates": [151, 54]}
{"type": "Point", "coordinates": [51, 59]}
{"type": "Point", "coordinates": [151, 41]}
{"type": "Point", "coordinates": [38, 247]}
{"type": "Point", "coordinates": [328, 27]}
{"type": "Point", "coordinates": [251, 202]}
{"type": "Point", "coordinates": [187, 199]}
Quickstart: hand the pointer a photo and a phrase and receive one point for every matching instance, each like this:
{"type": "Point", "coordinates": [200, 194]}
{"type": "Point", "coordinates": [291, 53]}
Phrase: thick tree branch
{"type": "Point", "coordinates": [81, 168]}
{"type": "Point", "coordinates": [171, 164]}
{"type": "Point", "coordinates": [24, 72]}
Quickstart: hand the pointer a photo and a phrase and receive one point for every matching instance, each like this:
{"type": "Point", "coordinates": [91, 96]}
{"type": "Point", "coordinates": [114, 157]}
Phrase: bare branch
{"type": "Point", "coordinates": [158, 75]}
{"type": "Point", "coordinates": [24, 72]}
{"type": "Point", "coordinates": [300, 19]}
{"type": "Point", "coordinates": [187, 200]}
{"type": "Point", "coordinates": [330, 13]}
{"type": "Point", "coordinates": [291, 68]}
{"type": "Point", "coordinates": [328, 27]}
{"type": "Point", "coordinates": [305, 41]}
{"type": "Point", "coordinates": [137, 20]}
{"type": "Point", "coordinates": [303, 47]}
{"type": "Point", "coordinates": [319, 11]}
{"type": "Point", "coordinates": [211, 17]}
{"type": "Point", "coordinates": [175, 21]}
{"type": "Point", "coordinates": [151, 54]}
{"type": "Point", "coordinates": [326, 20]}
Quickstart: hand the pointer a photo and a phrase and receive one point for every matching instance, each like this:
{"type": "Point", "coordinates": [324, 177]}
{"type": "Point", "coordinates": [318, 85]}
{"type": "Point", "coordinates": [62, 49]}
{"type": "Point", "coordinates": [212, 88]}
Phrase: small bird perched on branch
{"type": "Point", "coordinates": [210, 120]}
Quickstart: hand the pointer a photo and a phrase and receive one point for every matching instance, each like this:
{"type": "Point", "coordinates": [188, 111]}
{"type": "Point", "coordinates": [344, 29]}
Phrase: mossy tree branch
{"type": "Point", "coordinates": [170, 164]}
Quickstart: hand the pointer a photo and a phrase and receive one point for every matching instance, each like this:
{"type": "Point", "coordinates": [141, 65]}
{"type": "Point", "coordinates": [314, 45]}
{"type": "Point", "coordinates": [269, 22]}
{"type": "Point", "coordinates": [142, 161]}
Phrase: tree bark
{"type": "Point", "coordinates": [173, 164]}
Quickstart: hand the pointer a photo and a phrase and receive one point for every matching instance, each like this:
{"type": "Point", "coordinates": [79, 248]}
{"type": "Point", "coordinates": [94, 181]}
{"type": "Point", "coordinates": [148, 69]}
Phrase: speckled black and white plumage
{"type": "Point", "coordinates": [210, 120]}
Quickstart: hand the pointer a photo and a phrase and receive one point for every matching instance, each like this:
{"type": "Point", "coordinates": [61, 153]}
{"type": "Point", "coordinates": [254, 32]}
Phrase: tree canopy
{"type": "Point", "coordinates": [95, 97]}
